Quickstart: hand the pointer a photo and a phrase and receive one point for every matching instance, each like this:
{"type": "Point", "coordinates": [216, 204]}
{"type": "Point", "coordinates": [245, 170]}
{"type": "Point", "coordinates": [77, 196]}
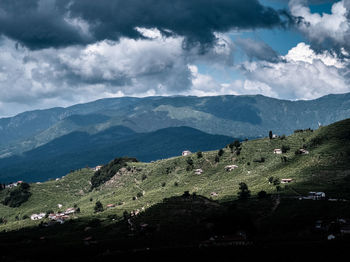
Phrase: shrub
{"type": "Point", "coordinates": [98, 207]}
{"type": "Point", "coordinates": [271, 179]}
{"type": "Point", "coordinates": [25, 217]}
{"type": "Point", "coordinates": [270, 134]}
{"type": "Point", "coordinates": [189, 161]}
{"type": "Point", "coordinates": [285, 148]}
{"type": "Point", "coordinates": [248, 163]}
{"type": "Point", "coordinates": [199, 154]}
{"type": "Point", "coordinates": [144, 177]}
{"type": "Point", "coordinates": [217, 159]}
{"type": "Point", "coordinates": [163, 184]}
{"type": "Point", "coordinates": [176, 184]}
{"type": "Point", "coordinates": [186, 194]}
{"type": "Point", "coordinates": [276, 181]}
{"type": "Point", "coordinates": [221, 152]}
{"type": "Point", "coordinates": [244, 192]}
{"type": "Point", "coordinates": [139, 194]}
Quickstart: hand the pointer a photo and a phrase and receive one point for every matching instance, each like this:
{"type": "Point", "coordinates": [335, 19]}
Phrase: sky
{"type": "Point", "coordinates": [63, 52]}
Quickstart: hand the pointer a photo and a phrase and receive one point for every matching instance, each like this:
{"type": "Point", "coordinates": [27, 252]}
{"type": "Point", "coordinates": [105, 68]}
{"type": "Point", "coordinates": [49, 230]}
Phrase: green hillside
{"type": "Point", "coordinates": [141, 185]}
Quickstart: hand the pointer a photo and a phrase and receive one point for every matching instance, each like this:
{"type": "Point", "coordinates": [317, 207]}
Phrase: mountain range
{"type": "Point", "coordinates": [95, 132]}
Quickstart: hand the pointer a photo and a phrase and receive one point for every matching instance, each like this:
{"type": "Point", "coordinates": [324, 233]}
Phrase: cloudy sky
{"type": "Point", "coordinates": [63, 52]}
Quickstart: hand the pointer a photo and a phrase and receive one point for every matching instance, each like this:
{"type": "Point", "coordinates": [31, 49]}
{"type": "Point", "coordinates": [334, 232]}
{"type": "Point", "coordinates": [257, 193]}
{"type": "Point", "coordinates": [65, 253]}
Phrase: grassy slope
{"type": "Point", "coordinates": [326, 168]}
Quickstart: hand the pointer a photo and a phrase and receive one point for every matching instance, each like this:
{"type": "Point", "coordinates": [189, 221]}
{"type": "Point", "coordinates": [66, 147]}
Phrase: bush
{"type": "Point", "coordinates": [98, 207]}
{"type": "Point", "coordinates": [139, 194]}
{"type": "Point", "coordinates": [285, 148]}
{"type": "Point", "coordinates": [276, 181]}
{"type": "Point", "coordinates": [217, 159]}
{"type": "Point", "coordinates": [163, 184]}
{"type": "Point", "coordinates": [244, 192]}
{"type": "Point", "coordinates": [199, 154]}
{"type": "Point", "coordinates": [271, 179]}
{"type": "Point", "coordinates": [144, 177]}
{"type": "Point", "coordinates": [25, 217]}
{"type": "Point", "coordinates": [221, 152]}
{"type": "Point", "coordinates": [176, 184]}
{"type": "Point", "coordinates": [186, 194]}
{"type": "Point", "coordinates": [189, 161]}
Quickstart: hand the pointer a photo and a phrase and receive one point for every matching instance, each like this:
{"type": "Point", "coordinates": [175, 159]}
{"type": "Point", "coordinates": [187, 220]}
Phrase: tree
{"type": "Point", "coordinates": [276, 181]}
{"type": "Point", "coordinates": [244, 192]}
{"type": "Point", "coordinates": [271, 179]}
{"type": "Point", "coordinates": [199, 154]}
{"type": "Point", "coordinates": [231, 146]}
{"type": "Point", "coordinates": [285, 148]}
{"type": "Point", "coordinates": [98, 207]}
{"type": "Point", "coordinates": [189, 161]}
{"type": "Point", "coordinates": [270, 134]}
{"type": "Point", "coordinates": [236, 144]}
{"type": "Point", "coordinates": [217, 159]}
{"type": "Point", "coordinates": [221, 152]}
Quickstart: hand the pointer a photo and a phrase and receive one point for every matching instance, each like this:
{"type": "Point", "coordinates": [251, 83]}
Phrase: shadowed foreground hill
{"type": "Point", "coordinates": [210, 207]}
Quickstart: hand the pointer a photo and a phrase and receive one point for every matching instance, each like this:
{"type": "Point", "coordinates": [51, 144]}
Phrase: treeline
{"type": "Point", "coordinates": [17, 196]}
{"type": "Point", "coordinates": [108, 171]}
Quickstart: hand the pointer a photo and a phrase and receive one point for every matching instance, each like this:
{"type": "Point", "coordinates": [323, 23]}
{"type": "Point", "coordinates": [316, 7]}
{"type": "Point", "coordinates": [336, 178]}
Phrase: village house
{"type": "Point", "coordinates": [274, 136]}
{"type": "Point", "coordinates": [303, 151]}
{"type": "Point", "coordinates": [213, 194]}
{"type": "Point", "coordinates": [97, 168]}
{"type": "Point", "coordinates": [14, 184]}
{"type": "Point", "coordinates": [230, 168]}
{"type": "Point", "coordinates": [37, 216]}
{"type": "Point", "coordinates": [277, 151]}
{"type": "Point", "coordinates": [198, 171]}
{"type": "Point", "coordinates": [69, 211]}
{"type": "Point", "coordinates": [186, 153]}
{"type": "Point", "coordinates": [286, 180]}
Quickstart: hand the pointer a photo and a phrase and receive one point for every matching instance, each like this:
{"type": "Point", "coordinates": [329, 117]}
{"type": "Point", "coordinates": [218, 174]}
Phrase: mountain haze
{"type": "Point", "coordinates": [237, 116]}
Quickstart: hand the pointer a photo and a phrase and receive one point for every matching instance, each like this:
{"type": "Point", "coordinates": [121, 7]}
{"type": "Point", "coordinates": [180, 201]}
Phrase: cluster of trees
{"type": "Point", "coordinates": [235, 144]}
{"type": "Point", "coordinates": [108, 171]}
{"type": "Point", "coordinates": [17, 196]}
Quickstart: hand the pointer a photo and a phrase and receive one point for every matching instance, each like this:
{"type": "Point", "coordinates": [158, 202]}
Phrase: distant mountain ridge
{"type": "Point", "coordinates": [80, 149]}
{"type": "Point", "coordinates": [237, 116]}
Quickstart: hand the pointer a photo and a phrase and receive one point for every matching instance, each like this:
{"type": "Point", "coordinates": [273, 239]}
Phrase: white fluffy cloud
{"type": "Point", "coordinates": [302, 74]}
{"type": "Point", "coordinates": [324, 30]}
{"type": "Point", "coordinates": [156, 65]}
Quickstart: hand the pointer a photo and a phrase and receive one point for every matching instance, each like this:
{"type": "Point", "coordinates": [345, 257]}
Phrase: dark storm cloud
{"type": "Point", "coordinates": [48, 23]}
{"type": "Point", "coordinates": [258, 50]}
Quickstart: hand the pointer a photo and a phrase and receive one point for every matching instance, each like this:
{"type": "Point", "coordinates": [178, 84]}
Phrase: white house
{"type": "Point", "coordinates": [186, 153]}
{"type": "Point", "coordinates": [97, 168]}
{"type": "Point", "coordinates": [70, 210]}
{"type": "Point", "coordinates": [37, 216]}
{"type": "Point", "coordinates": [274, 136]}
{"type": "Point", "coordinates": [198, 171]}
{"type": "Point", "coordinates": [277, 151]}
{"type": "Point", "coordinates": [286, 180]}
{"type": "Point", "coordinates": [303, 151]}
{"type": "Point", "coordinates": [230, 167]}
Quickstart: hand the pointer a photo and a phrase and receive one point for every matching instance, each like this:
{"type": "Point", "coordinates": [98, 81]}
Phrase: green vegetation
{"type": "Point", "coordinates": [17, 196]}
{"type": "Point", "coordinates": [325, 169]}
{"type": "Point", "coordinates": [108, 171]}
